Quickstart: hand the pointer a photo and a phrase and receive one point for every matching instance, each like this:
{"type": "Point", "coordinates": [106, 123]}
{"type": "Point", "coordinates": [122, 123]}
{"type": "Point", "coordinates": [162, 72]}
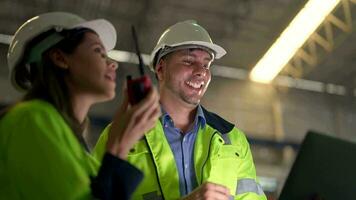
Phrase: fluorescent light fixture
{"type": "Point", "coordinates": [315, 86]}
{"type": "Point", "coordinates": [5, 39]}
{"type": "Point", "coordinates": [127, 57]}
{"type": "Point", "coordinates": [229, 72]}
{"type": "Point", "coordinates": [291, 39]}
{"type": "Point", "coordinates": [335, 89]}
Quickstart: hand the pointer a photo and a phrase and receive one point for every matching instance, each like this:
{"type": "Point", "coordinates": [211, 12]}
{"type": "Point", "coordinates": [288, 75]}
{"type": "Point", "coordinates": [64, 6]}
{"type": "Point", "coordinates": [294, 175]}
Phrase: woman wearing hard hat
{"type": "Point", "coordinates": [60, 61]}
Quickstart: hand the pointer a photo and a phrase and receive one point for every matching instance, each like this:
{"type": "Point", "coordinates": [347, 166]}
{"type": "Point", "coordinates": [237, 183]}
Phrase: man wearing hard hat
{"type": "Point", "coordinates": [191, 153]}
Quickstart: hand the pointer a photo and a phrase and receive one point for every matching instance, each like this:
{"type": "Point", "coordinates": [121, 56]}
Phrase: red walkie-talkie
{"type": "Point", "coordinates": [138, 88]}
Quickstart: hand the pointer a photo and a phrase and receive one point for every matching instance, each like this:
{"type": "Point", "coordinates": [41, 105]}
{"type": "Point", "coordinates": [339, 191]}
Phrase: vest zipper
{"type": "Point", "coordinates": [185, 180]}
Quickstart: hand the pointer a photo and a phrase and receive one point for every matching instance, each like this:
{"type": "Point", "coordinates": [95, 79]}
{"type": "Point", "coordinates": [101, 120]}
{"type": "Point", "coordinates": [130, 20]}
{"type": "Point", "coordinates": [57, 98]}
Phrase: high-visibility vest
{"type": "Point", "coordinates": [221, 155]}
{"type": "Point", "coordinates": [40, 156]}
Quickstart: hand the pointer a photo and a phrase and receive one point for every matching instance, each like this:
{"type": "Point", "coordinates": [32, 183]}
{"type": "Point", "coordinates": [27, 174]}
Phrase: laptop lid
{"type": "Point", "coordinates": [325, 168]}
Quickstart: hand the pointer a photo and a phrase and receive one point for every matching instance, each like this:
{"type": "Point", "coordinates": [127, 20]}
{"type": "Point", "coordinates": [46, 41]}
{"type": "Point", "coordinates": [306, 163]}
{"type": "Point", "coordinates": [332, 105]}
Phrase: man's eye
{"type": "Point", "coordinates": [103, 55]}
{"type": "Point", "coordinates": [207, 66]}
{"type": "Point", "coordinates": [97, 50]}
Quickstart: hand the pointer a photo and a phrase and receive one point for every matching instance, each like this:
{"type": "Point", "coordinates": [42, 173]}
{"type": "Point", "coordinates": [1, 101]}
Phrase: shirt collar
{"type": "Point", "coordinates": [200, 118]}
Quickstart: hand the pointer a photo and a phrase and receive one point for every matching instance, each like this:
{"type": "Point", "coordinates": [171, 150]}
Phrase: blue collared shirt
{"type": "Point", "coordinates": [182, 145]}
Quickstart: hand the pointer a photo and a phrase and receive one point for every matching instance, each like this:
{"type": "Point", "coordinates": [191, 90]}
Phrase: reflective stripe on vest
{"type": "Point", "coordinates": [248, 185]}
{"type": "Point", "coordinates": [226, 138]}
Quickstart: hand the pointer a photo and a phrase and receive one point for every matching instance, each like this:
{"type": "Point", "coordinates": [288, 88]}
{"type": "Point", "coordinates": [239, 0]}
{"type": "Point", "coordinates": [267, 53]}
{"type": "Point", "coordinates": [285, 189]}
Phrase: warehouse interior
{"type": "Point", "coordinates": [315, 90]}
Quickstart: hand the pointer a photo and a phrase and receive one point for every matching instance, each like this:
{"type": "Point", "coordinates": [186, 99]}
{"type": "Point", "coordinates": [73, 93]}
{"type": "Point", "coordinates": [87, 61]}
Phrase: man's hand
{"type": "Point", "coordinates": [209, 191]}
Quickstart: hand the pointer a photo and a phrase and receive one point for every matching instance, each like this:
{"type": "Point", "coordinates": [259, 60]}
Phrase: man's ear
{"type": "Point", "coordinates": [160, 67]}
{"type": "Point", "coordinates": [58, 58]}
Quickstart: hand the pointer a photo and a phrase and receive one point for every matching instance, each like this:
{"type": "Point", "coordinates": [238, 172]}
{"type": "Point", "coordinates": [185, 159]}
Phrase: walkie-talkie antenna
{"type": "Point", "coordinates": [139, 87]}
{"type": "Point", "coordinates": [141, 65]}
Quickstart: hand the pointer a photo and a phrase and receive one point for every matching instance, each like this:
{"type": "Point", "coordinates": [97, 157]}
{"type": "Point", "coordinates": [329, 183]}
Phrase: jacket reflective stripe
{"type": "Point", "coordinates": [248, 185]}
{"type": "Point", "coordinates": [226, 138]}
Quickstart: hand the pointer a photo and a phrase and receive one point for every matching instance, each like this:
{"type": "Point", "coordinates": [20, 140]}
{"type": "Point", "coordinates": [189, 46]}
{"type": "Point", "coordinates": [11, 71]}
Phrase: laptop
{"type": "Point", "coordinates": [325, 169]}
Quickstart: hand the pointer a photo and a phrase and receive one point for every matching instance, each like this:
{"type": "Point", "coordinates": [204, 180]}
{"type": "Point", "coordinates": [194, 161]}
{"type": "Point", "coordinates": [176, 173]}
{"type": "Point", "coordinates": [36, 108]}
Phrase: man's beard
{"type": "Point", "coordinates": [189, 100]}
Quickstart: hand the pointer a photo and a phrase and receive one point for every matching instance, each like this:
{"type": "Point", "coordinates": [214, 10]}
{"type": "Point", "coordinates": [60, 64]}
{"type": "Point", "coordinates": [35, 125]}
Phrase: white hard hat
{"type": "Point", "coordinates": [57, 21]}
{"type": "Point", "coordinates": [187, 33]}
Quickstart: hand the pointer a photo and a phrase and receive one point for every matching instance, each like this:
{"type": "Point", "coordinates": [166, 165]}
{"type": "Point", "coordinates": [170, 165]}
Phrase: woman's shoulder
{"type": "Point", "coordinates": [32, 107]}
{"type": "Point", "coordinates": [33, 110]}
{"type": "Point", "coordinates": [36, 117]}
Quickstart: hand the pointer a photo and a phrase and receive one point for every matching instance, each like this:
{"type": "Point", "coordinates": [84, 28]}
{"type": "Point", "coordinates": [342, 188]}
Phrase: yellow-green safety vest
{"type": "Point", "coordinates": [40, 157]}
{"type": "Point", "coordinates": [221, 155]}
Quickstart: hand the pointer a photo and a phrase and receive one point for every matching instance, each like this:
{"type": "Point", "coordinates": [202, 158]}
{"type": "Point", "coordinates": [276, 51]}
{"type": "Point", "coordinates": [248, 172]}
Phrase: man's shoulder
{"type": "Point", "coordinates": [217, 122]}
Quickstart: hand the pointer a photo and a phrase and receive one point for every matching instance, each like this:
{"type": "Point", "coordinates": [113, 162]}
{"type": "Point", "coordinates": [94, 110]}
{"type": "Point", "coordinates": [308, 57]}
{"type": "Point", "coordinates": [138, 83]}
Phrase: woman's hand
{"type": "Point", "coordinates": [131, 123]}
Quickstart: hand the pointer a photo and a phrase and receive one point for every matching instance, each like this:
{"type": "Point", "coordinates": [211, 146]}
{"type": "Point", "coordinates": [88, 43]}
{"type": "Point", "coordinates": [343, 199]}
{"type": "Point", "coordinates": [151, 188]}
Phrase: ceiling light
{"type": "Point", "coordinates": [292, 38]}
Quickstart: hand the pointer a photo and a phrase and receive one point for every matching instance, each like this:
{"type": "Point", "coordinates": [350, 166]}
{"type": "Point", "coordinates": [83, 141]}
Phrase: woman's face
{"type": "Point", "coordinates": [91, 73]}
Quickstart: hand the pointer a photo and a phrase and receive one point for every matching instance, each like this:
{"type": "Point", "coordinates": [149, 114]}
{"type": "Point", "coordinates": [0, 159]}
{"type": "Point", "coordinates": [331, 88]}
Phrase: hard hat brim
{"type": "Point", "coordinates": [104, 29]}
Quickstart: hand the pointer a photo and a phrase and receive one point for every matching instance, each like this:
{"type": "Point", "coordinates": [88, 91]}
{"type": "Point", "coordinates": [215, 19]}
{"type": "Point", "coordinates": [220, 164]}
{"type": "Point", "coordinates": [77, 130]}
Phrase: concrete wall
{"type": "Point", "coordinates": [265, 111]}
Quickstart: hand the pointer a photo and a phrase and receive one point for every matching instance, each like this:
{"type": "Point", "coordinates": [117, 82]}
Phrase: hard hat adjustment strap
{"type": "Point", "coordinates": [36, 51]}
